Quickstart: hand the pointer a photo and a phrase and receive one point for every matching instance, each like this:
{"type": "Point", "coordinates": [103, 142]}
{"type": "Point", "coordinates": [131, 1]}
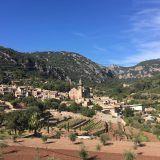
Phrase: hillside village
{"type": "Point", "coordinates": [80, 95]}
{"type": "Point", "coordinates": [80, 80]}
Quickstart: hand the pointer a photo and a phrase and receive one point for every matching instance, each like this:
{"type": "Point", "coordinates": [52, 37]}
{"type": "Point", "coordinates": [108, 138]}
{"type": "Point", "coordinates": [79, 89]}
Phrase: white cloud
{"type": "Point", "coordinates": [144, 36]}
{"type": "Point", "coordinates": [80, 34]}
{"type": "Point", "coordinates": [100, 49]}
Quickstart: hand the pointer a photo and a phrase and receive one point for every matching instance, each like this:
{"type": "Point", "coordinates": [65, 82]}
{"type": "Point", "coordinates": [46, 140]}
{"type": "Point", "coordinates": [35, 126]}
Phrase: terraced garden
{"type": "Point", "coordinates": [71, 123]}
{"type": "Point", "coordinates": [91, 126]}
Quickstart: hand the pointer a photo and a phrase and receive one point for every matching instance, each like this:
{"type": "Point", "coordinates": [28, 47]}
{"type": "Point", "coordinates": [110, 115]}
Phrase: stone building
{"type": "Point", "coordinates": [6, 89]}
{"type": "Point", "coordinates": [21, 92]}
{"type": "Point", "coordinates": [80, 92]}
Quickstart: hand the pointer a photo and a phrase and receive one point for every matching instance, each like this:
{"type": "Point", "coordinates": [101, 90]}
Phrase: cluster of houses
{"type": "Point", "coordinates": [110, 106]}
{"type": "Point", "coordinates": [25, 91]}
{"type": "Point", "coordinates": [80, 95]}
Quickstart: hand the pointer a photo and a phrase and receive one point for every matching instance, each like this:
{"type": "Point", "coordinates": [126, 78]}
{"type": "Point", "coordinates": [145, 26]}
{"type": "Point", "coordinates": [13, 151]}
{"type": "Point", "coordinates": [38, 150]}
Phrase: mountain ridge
{"type": "Point", "coordinates": [143, 69]}
{"type": "Point", "coordinates": [59, 65]}
{"type": "Point", "coordinates": [64, 65]}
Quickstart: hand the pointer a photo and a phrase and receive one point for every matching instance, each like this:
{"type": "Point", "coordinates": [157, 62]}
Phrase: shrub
{"type": "Point", "coordinates": [104, 138]}
{"type": "Point", "coordinates": [83, 153]}
{"type": "Point", "coordinates": [128, 155]}
{"type": "Point", "coordinates": [98, 147]}
{"type": "Point", "coordinates": [139, 138]}
{"type": "Point", "coordinates": [58, 135]}
{"type": "Point", "coordinates": [3, 145]}
{"type": "Point", "coordinates": [44, 138]}
{"type": "Point", "coordinates": [73, 137]}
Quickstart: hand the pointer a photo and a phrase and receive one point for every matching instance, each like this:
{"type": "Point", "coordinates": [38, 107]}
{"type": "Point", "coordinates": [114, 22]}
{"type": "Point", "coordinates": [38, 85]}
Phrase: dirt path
{"type": "Point", "coordinates": [28, 153]}
{"type": "Point", "coordinates": [118, 147]}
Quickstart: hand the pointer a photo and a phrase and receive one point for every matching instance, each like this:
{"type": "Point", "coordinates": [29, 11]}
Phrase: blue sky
{"type": "Point", "coordinates": [122, 32]}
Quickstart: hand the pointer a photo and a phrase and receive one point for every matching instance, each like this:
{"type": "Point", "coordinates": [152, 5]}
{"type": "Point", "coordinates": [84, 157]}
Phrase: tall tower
{"type": "Point", "coordinates": [80, 89]}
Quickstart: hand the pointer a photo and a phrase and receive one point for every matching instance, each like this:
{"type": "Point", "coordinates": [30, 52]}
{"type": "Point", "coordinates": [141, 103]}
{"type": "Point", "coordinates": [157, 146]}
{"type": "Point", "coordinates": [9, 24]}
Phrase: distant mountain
{"type": "Point", "coordinates": [57, 65]}
{"type": "Point", "coordinates": [141, 70]}
{"type": "Point", "coordinates": [68, 65]}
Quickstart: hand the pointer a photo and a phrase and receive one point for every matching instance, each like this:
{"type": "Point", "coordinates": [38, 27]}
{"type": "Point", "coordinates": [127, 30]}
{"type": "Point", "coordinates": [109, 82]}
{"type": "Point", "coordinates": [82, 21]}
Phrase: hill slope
{"type": "Point", "coordinates": [56, 65]}
{"type": "Point", "coordinates": [141, 70]}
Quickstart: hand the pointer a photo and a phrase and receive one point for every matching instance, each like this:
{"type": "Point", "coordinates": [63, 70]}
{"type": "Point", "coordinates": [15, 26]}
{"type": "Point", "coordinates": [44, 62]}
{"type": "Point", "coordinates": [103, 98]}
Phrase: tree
{"type": "Point", "coordinates": [104, 138]}
{"type": "Point", "coordinates": [8, 97]}
{"type": "Point", "coordinates": [35, 123]}
{"type": "Point", "coordinates": [128, 112]}
{"type": "Point", "coordinates": [73, 137]}
{"type": "Point", "coordinates": [138, 139]}
{"type": "Point", "coordinates": [62, 107]}
{"type": "Point", "coordinates": [75, 108]}
{"type": "Point", "coordinates": [97, 107]}
{"type": "Point", "coordinates": [128, 155]}
{"type": "Point", "coordinates": [17, 120]}
{"type": "Point", "coordinates": [83, 153]}
{"type": "Point", "coordinates": [87, 112]}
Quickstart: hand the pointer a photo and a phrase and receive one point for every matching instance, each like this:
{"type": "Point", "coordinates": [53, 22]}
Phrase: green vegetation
{"type": "Point", "coordinates": [73, 137]}
{"type": "Point", "coordinates": [128, 112]}
{"type": "Point", "coordinates": [83, 153]}
{"type": "Point", "coordinates": [71, 123]}
{"type": "Point", "coordinates": [104, 139]}
{"type": "Point", "coordinates": [58, 135]}
{"type": "Point", "coordinates": [49, 65]}
{"type": "Point", "coordinates": [138, 139]}
{"type": "Point", "coordinates": [44, 138]}
{"type": "Point", "coordinates": [128, 155]}
{"type": "Point", "coordinates": [34, 122]}
{"type": "Point", "coordinates": [2, 145]}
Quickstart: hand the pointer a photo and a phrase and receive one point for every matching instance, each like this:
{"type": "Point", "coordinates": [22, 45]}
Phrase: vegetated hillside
{"type": "Point", "coordinates": [141, 70]}
{"type": "Point", "coordinates": [143, 91]}
{"type": "Point", "coordinates": [57, 65]}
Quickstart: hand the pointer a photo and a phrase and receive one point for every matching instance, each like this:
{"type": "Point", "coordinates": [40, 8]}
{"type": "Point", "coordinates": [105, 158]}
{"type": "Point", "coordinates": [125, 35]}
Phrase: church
{"type": "Point", "coordinates": [80, 92]}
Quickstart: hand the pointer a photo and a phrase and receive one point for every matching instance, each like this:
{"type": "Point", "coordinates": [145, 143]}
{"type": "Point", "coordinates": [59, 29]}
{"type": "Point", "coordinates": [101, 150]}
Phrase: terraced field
{"type": "Point", "coordinates": [91, 126]}
{"type": "Point", "coordinates": [71, 123]}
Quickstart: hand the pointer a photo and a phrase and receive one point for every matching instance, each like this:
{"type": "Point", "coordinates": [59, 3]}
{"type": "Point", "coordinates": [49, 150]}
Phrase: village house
{"type": "Point", "coordinates": [37, 93]}
{"type": "Point", "coordinates": [6, 89]}
{"type": "Point", "coordinates": [47, 94]}
{"type": "Point", "coordinates": [22, 91]}
{"type": "Point", "coordinates": [135, 107]}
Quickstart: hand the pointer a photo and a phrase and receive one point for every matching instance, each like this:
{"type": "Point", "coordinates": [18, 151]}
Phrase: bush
{"type": "Point", "coordinates": [73, 137]}
{"type": "Point", "coordinates": [44, 138]}
{"type": "Point", "coordinates": [104, 138]}
{"type": "Point", "coordinates": [98, 147]}
{"type": "Point", "coordinates": [128, 155]}
{"type": "Point", "coordinates": [128, 112]}
{"type": "Point", "coordinates": [139, 138]}
{"type": "Point", "coordinates": [97, 107]}
{"type": "Point", "coordinates": [83, 154]}
{"type": "Point", "coordinates": [58, 135]}
{"type": "Point", "coordinates": [3, 145]}
{"type": "Point", "coordinates": [85, 111]}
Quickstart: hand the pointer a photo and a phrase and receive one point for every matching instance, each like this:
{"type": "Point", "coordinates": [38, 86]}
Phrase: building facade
{"type": "Point", "coordinates": [80, 92]}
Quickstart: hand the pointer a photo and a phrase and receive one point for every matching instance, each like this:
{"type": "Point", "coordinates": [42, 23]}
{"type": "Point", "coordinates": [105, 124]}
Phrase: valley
{"type": "Point", "coordinates": [82, 107]}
